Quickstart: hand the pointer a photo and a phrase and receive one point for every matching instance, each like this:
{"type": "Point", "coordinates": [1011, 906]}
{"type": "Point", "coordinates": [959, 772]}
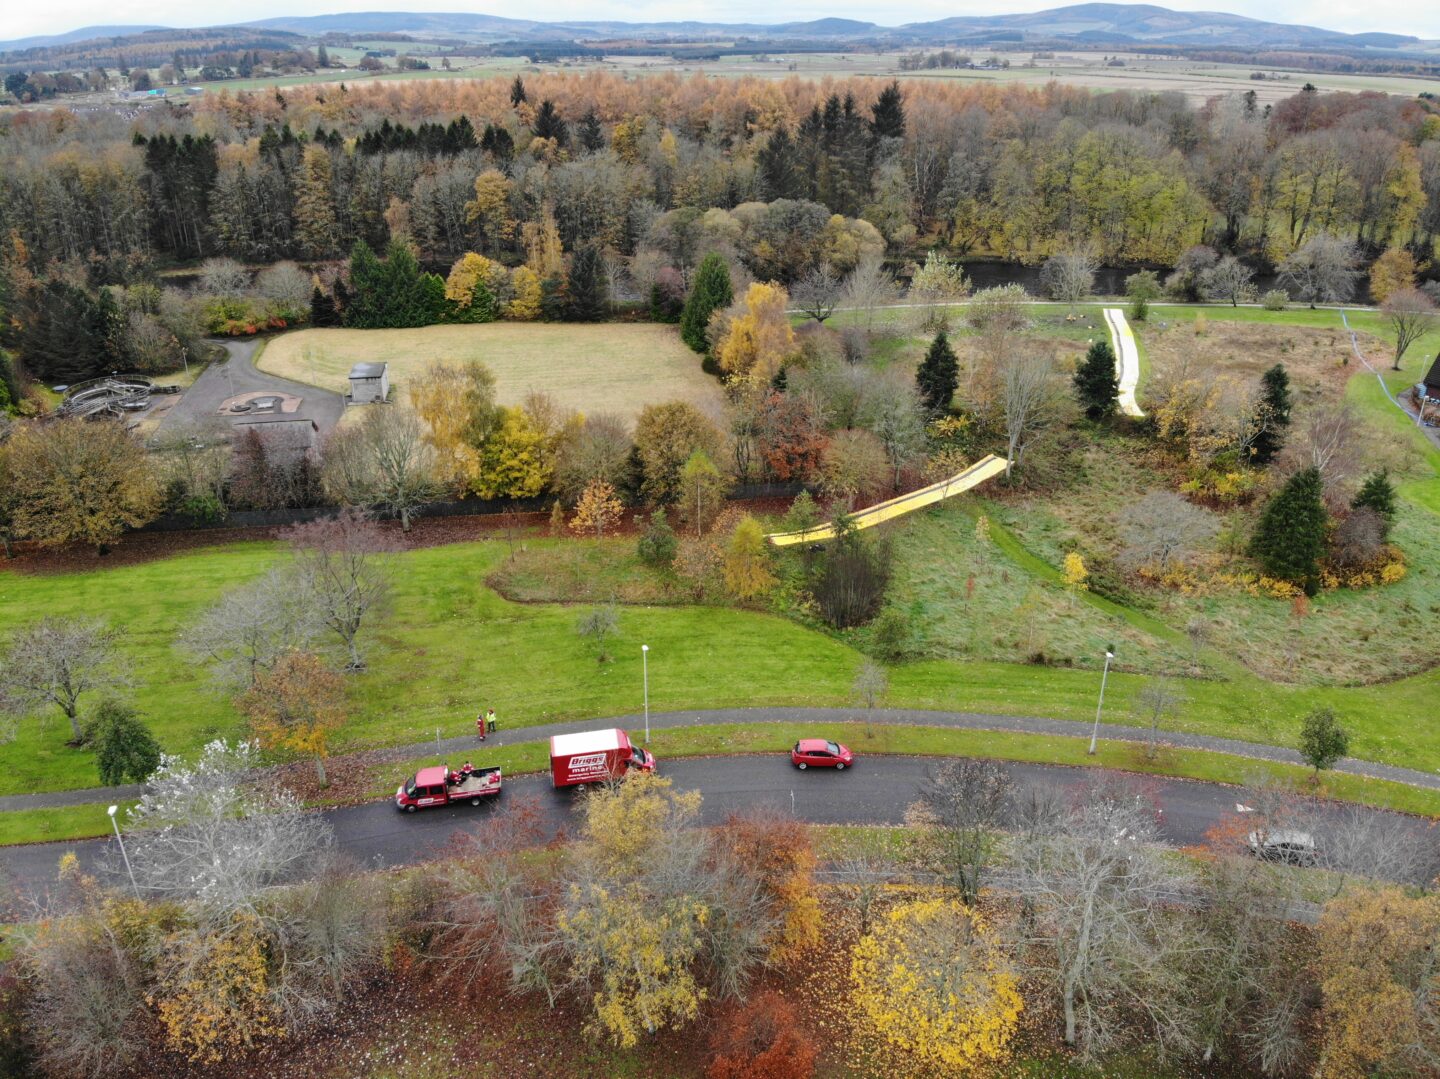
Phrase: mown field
{"type": "Point", "coordinates": [613, 367]}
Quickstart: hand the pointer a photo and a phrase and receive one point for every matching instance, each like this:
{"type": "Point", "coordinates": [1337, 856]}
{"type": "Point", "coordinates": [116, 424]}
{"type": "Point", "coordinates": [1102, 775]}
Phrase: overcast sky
{"type": "Point", "coordinates": [19, 19]}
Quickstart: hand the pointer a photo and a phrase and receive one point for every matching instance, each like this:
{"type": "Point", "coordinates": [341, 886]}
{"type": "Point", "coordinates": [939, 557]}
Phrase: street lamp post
{"type": "Point", "coordinates": [645, 668]}
{"type": "Point", "coordinates": [1095, 733]}
{"type": "Point", "coordinates": [121, 840]}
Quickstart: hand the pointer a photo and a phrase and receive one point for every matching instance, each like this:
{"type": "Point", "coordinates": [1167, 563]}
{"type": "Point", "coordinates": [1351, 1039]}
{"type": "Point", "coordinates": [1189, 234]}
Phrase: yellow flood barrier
{"type": "Point", "coordinates": [987, 467]}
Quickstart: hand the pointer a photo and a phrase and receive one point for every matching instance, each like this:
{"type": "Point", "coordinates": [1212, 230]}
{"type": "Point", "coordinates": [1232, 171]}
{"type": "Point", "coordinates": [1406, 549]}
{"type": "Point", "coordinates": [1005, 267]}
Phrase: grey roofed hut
{"type": "Point", "coordinates": [369, 382]}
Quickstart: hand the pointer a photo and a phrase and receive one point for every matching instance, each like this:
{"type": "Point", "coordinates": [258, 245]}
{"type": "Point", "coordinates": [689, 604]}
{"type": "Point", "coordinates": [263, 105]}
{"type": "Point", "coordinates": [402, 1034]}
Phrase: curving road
{"type": "Point", "coordinates": [876, 791]}
{"type": "Point", "coordinates": [1127, 360]}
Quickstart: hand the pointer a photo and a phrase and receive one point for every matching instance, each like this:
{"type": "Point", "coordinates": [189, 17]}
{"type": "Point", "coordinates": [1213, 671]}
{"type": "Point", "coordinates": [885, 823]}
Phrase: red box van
{"type": "Point", "coordinates": [595, 757]}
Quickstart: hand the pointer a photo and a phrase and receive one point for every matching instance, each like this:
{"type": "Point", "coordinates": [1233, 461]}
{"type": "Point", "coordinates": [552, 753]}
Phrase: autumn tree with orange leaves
{"type": "Point", "coordinates": [295, 706]}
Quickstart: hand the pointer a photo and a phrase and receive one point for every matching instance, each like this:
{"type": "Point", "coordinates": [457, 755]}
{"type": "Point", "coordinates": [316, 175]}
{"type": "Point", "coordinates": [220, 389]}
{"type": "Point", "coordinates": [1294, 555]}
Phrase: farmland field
{"type": "Point", "coordinates": [616, 368]}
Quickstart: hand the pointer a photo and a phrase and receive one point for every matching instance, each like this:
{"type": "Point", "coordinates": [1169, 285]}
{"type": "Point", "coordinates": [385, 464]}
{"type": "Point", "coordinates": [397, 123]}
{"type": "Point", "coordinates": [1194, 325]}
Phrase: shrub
{"type": "Point", "coordinates": [762, 1040]}
{"type": "Point", "coordinates": [852, 580]}
{"type": "Point", "coordinates": [657, 544]}
{"type": "Point", "coordinates": [890, 635]}
{"type": "Point", "coordinates": [1275, 300]}
{"type": "Point", "coordinates": [125, 750]}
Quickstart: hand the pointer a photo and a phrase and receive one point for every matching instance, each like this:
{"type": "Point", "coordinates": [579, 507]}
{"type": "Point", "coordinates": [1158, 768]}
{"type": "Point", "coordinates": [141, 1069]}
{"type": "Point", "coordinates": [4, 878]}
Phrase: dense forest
{"type": "Point", "coordinates": [783, 178]}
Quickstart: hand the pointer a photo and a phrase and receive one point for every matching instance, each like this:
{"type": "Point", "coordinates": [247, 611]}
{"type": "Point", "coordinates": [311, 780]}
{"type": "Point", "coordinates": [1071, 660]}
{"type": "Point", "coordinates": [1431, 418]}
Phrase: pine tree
{"type": "Point", "coordinates": [658, 544]}
{"type": "Point", "coordinates": [322, 57]}
{"type": "Point", "coordinates": [589, 299]}
{"type": "Point", "coordinates": [1377, 493]}
{"type": "Point", "coordinates": [938, 375]}
{"type": "Point", "coordinates": [1290, 537]}
{"type": "Point", "coordinates": [125, 750]}
{"type": "Point", "coordinates": [1097, 384]}
{"type": "Point", "coordinates": [517, 92]}
{"type": "Point", "coordinates": [591, 134]}
{"type": "Point", "coordinates": [710, 293]}
{"type": "Point", "coordinates": [365, 308]}
{"type": "Point", "coordinates": [322, 308]}
{"type": "Point", "coordinates": [1271, 438]}
{"type": "Point", "coordinates": [549, 125]}
{"type": "Point", "coordinates": [889, 114]}
{"type": "Point", "coordinates": [778, 166]}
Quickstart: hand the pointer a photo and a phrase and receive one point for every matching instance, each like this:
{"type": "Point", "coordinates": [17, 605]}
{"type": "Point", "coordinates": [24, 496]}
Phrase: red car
{"type": "Point", "coordinates": [818, 753]}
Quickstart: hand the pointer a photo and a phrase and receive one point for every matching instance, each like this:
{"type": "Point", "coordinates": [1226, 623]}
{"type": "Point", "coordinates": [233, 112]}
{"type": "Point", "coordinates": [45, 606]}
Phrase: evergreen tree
{"type": "Point", "coordinates": [778, 164]}
{"type": "Point", "coordinates": [125, 750]}
{"type": "Point", "coordinates": [1290, 537]}
{"type": "Point", "coordinates": [1377, 493]}
{"type": "Point", "coordinates": [1271, 438]}
{"type": "Point", "coordinates": [888, 114]}
{"type": "Point", "coordinates": [549, 125]}
{"type": "Point", "coordinates": [658, 545]}
{"type": "Point", "coordinates": [322, 57]}
{"type": "Point", "coordinates": [322, 308]}
{"type": "Point", "coordinates": [517, 92]}
{"type": "Point", "coordinates": [710, 293]}
{"type": "Point", "coordinates": [938, 375]}
{"type": "Point", "coordinates": [589, 299]}
{"type": "Point", "coordinates": [364, 310]}
{"type": "Point", "coordinates": [1097, 383]}
{"type": "Point", "coordinates": [592, 135]}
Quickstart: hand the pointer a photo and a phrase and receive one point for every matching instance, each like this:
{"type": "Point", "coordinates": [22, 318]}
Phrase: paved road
{"type": "Point", "coordinates": [238, 375]}
{"type": "Point", "coordinates": [915, 717]}
{"type": "Point", "coordinates": [876, 791]}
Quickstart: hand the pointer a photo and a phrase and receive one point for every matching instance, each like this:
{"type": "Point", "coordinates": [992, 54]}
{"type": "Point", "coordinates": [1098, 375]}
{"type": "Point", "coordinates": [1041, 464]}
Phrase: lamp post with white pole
{"type": "Point", "coordinates": [645, 668]}
{"type": "Point", "coordinates": [1095, 733]}
{"type": "Point", "coordinates": [121, 840]}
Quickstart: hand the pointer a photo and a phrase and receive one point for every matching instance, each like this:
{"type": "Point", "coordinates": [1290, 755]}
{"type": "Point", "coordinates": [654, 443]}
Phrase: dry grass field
{"type": "Point", "coordinates": [606, 367]}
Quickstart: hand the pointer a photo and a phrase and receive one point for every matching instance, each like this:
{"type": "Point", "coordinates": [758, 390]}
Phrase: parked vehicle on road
{"type": "Point", "coordinates": [820, 753]}
{"type": "Point", "coordinates": [438, 786]}
{"type": "Point", "coordinates": [1283, 845]}
{"type": "Point", "coordinates": [595, 757]}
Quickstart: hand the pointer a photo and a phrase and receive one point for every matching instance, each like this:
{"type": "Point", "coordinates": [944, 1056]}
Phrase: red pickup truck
{"type": "Point", "coordinates": [594, 757]}
{"type": "Point", "coordinates": [440, 786]}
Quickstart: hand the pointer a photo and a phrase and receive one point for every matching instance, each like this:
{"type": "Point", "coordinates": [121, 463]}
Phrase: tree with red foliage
{"type": "Point", "coordinates": [790, 437]}
{"type": "Point", "coordinates": [763, 1040]}
{"type": "Point", "coordinates": [775, 851]}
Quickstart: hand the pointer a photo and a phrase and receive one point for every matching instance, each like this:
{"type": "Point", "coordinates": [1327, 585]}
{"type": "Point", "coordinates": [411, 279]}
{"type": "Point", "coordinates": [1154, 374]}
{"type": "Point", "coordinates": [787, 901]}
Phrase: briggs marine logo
{"type": "Point", "coordinates": [589, 764]}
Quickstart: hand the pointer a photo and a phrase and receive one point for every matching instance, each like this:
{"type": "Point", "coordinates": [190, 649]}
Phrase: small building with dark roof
{"type": "Point", "coordinates": [369, 382]}
{"type": "Point", "coordinates": [1431, 382]}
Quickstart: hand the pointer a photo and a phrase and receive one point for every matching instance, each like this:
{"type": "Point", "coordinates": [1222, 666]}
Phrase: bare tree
{"type": "Point", "coordinates": [1162, 529]}
{"type": "Point", "coordinates": [1098, 887]}
{"type": "Point", "coordinates": [817, 293]}
{"type": "Point", "coordinates": [962, 805]}
{"type": "Point", "coordinates": [869, 287]}
{"type": "Point", "coordinates": [1411, 315]}
{"type": "Point", "coordinates": [1158, 700]}
{"type": "Point", "coordinates": [600, 450]}
{"type": "Point", "coordinates": [1029, 391]}
{"type": "Point", "coordinates": [1376, 847]}
{"type": "Point", "coordinates": [196, 457]}
{"type": "Point", "coordinates": [344, 574]}
{"type": "Point", "coordinates": [1322, 270]}
{"type": "Point", "coordinates": [56, 661]}
{"type": "Point", "coordinates": [1229, 280]}
{"type": "Point", "coordinates": [1327, 439]}
{"type": "Point", "coordinates": [383, 461]}
{"type": "Point", "coordinates": [204, 831]}
{"type": "Point", "coordinates": [251, 627]}
{"type": "Point", "coordinates": [870, 685]}
{"type": "Point", "coordinates": [1069, 277]}
{"type": "Point", "coordinates": [891, 411]}
{"type": "Point", "coordinates": [862, 878]}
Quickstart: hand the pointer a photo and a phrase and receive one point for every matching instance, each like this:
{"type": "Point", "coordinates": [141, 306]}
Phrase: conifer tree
{"type": "Point", "coordinates": [517, 92]}
{"type": "Point", "coordinates": [322, 307]}
{"type": "Point", "coordinates": [1271, 438]}
{"type": "Point", "coordinates": [1290, 537]}
{"type": "Point", "coordinates": [938, 375]}
{"type": "Point", "coordinates": [710, 293]}
{"type": "Point", "coordinates": [363, 311]}
{"type": "Point", "coordinates": [589, 299]}
{"type": "Point", "coordinates": [1097, 384]}
{"type": "Point", "coordinates": [889, 114]}
{"type": "Point", "coordinates": [1377, 493]}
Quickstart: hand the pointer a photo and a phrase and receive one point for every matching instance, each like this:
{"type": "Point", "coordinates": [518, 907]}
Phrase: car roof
{"type": "Point", "coordinates": [432, 776]}
{"type": "Point", "coordinates": [815, 743]}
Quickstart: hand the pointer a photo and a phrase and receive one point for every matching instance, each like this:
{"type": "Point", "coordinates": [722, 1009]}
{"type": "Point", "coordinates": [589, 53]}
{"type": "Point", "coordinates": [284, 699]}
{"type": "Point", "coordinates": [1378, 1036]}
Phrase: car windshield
{"type": "Point", "coordinates": [833, 747]}
{"type": "Point", "coordinates": [410, 787]}
{"type": "Point", "coordinates": [637, 755]}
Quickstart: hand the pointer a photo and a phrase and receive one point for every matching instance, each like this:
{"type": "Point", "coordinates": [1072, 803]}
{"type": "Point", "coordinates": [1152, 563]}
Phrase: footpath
{"type": "Point", "coordinates": [910, 717]}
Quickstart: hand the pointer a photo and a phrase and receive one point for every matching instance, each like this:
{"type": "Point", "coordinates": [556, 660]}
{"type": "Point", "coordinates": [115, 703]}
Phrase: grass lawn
{"type": "Point", "coordinates": [606, 367]}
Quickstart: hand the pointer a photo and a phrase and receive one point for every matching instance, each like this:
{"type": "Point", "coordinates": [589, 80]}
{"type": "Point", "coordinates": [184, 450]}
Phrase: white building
{"type": "Point", "coordinates": [369, 382]}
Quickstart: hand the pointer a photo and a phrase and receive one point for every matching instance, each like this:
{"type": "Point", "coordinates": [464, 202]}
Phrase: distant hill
{"type": "Point", "coordinates": [85, 33]}
{"type": "Point", "coordinates": [1095, 25]}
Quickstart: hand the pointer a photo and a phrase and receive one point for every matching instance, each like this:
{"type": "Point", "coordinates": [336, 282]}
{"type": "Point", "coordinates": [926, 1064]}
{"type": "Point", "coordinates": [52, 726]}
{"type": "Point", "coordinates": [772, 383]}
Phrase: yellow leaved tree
{"type": "Point", "coordinates": [747, 561]}
{"type": "Point", "coordinates": [758, 338]}
{"type": "Point", "coordinates": [474, 273]}
{"type": "Point", "coordinates": [526, 295]}
{"type": "Point", "coordinates": [598, 509]}
{"type": "Point", "coordinates": [513, 460]}
{"type": "Point", "coordinates": [457, 403]}
{"type": "Point", "coordinates": [294, 706]}
{"type": "Point", "coordinates": [490, 208]}
{"type": "Point", "coordinates": [931, 981]}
